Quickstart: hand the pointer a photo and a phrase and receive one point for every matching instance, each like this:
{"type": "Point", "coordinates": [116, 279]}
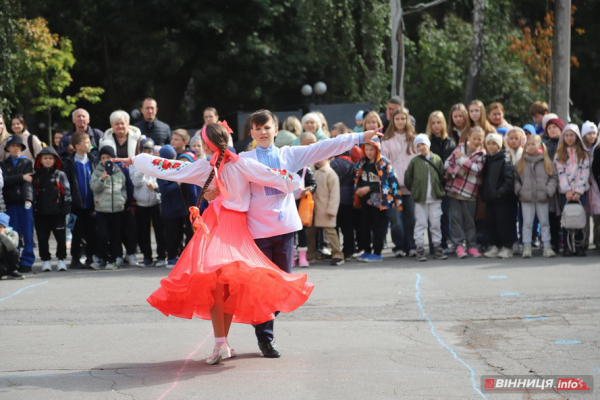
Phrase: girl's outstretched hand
{"type": "Point", "coordinates": [370, 135]}
{"type": "Point", "coordinates": [126, 161]}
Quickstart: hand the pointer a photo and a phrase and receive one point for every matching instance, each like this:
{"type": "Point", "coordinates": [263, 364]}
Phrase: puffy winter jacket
{"type": "Point", "coordinates": [534, 185]}
{"type": "Point", "coordinates": [51, 187]}
{"type": "Point", "coordinates": [498, 178]}
{"type": "Point", "coordinates": [17, 190]}
{"type": "Point", "coordinates": [109, 196]}
{"type": "Point", "coordinates": [144, 196]}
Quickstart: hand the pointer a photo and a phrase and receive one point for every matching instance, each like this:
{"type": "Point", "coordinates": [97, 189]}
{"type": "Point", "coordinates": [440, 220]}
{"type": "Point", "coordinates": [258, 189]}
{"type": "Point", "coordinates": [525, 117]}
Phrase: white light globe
{"type": "Point", "coordinates": [135, 114]}
{"type": "Point", "coordinates": [306, 90]}
{"type": "Point", "coordinates": [320, 88]}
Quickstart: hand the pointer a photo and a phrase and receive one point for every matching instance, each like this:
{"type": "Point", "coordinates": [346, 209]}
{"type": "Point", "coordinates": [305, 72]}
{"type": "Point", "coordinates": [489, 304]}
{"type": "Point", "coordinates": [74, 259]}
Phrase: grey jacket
{"type": "Point", "coordinates": [109, 196]}
{"type": "Point", "coordinates": [9, 242]}
{"type": "Point", "coordinates": [534, 185]}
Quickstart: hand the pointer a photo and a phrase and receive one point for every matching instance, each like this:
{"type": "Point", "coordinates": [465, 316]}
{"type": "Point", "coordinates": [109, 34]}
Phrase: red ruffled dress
{"type": "Point", "coordinates": [224, 251]}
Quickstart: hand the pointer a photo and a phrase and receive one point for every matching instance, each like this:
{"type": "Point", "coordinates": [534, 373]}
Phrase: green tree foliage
{"type": "Point", "coordinates": [8, 54]}
{"type": "Point", "coordinates": [437, 65]}
{"type": "Point", "coordinates": [44, 64]}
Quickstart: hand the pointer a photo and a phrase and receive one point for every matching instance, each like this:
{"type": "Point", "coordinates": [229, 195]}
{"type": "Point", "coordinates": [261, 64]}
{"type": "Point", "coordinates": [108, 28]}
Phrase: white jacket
{"type": "Point", "coordinates": [144, 196]}
{"type": "Point", "coordinates": [133, 136]}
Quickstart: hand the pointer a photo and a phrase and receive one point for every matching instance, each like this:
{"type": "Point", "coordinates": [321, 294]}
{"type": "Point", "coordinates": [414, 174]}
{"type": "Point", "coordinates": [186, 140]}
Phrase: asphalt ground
{"type": "Point", "coordinates": [392, 330]}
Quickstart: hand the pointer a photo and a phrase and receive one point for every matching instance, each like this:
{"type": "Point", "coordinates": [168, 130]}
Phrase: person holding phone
{"type": "Point", "coordinates": [110, 194]}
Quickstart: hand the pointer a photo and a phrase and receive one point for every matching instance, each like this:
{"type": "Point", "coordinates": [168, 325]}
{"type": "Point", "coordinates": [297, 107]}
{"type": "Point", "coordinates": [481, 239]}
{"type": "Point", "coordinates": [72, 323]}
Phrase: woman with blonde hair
{"type": "Point", "coordinates": [290, 131]}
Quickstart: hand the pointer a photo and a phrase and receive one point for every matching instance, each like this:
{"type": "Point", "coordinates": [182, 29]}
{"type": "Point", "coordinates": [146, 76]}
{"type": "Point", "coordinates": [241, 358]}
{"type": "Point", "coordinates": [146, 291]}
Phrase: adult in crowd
{"type": "Point", "coordinates": [81, 121]}
{"type": "Point", "coordinates": [391, 106]}
{"type": "Point", "coordinates": [291, 129]}
{"type": "Point", "coordinates": [32, 144]}
{"type": "Point", "coordinates": [312, 123]}
{"type": "Point", "coordinates": [211, 116]}
{"type": "Point", "coordinates": [3, 138]}
{"type": "Point", "coordinates": [150, 126]}
{"type": "Point", "coordinates": [122, 137]}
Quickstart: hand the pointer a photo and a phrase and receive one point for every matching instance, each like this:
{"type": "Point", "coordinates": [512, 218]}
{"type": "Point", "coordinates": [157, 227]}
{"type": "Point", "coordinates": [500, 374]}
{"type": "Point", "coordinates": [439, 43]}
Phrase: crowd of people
{"type": "Point", "coordinates": [472, 183]}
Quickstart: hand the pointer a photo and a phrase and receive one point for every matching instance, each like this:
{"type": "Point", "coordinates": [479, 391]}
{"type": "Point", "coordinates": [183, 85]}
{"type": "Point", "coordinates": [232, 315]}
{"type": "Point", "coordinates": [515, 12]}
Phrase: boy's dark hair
{"type": "Point", "coordinates": [396, 100]}
{"type": "Point", "coordinates": [78, 137]}
{"type": "Point", "coordinates": [261, 117]}
{"type": "Point", "coordinates": [539, 107]}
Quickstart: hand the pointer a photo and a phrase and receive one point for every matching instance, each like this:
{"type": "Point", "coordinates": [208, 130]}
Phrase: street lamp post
{"type": "Point", "coordinates": [309, 92]}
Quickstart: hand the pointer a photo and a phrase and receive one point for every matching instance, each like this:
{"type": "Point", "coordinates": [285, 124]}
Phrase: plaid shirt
{"type": "Point", "coordinates": [464, 174]}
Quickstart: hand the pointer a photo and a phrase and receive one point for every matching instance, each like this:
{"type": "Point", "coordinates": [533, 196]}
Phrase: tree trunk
{"type": "Point", "coordinates": [476, 52]}
{"type": "Point", "coordinates": [561, 59]}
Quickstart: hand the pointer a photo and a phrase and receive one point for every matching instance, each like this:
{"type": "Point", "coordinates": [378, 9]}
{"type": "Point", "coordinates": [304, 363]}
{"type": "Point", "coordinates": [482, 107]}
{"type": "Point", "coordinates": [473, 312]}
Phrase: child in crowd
{"type": "Point", "coordinates": [477, 117]}
{"type": "Point", "coordinates": [589, 135]}
{"type": "Point", "coordinates": [529, 130]}
{"type": "Point", "coordinates": [573, 166]}
{"type": "Point", "coordinates": [311, 122]}
{"type": "Point", "coordinates": [173, 210]}
{"type": "Point", "coordinates": [496, 113]}
{"type": "Point", "coordinates": [79, 166]}
{"type": "Point", "coordinates": [147, 213]}
{"type": "Point", "coordinates": [553, 127]}
{"type": "Point", "coordinates": [535, 184]}
{"type": "Point", "coordinates": [190, 195]}
{"type": "Point", "coordinates": [423, 178]}
{"type": "Point", "coordinates": [51, 206]}
{"type": "Point", "coordinates": [464, 168]}
{"type": "Point", "coordinates": [377, 190]}
{"type": "Point", "coordinates": [2, 205]}
{"type": "Point", "coordinates": [310, 185]}
{"type": "Point", "coordinates": [514, 142]}
{"type": "Point", "coordinates": [9, 255]}
{"type": "Point", "coordinates": [327, 200]}
{"type": "Point", "coordinates": [180, 140]}
{"type": "Point", "coordinates": [196, 147]}
{"type": "Point", "coordinates": [497, 190]}
{"type": "Point", "coordinates": [594, 197]}
{"type": "Point", "coordinates": [398, 147]}
{"type": "Point", "coordinates": [359, 121]}
{"type": "Point", "coordinates": [110, 194]}
{"type": "Point", "coordinates": [343, 166]}
{"type": "Point", "coordinates": [18, 196]}
{"type": "Point", "coordinates": [537, 111]}
{"type": "Point", "coordinates": [460, 124]}
{"type": "Point", "coordinates": [442, 145]}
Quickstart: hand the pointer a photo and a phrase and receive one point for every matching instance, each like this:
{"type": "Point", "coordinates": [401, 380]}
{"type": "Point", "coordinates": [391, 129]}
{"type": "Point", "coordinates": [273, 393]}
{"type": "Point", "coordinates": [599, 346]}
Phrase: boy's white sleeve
{"type": "Point", "coordinates": [256, 172]}
{"type": "Point", "coordinates": [297, 157]}
{"type": "Point", "coordinates": [173, 170]}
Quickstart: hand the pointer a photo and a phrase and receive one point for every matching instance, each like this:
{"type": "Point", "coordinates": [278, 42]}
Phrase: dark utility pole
{"type": "Point", "coordinates": [561, 59]}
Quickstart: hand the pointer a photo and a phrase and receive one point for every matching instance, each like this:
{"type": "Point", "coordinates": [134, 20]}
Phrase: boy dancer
{"type": "Point", "coordinates": [272, 217]}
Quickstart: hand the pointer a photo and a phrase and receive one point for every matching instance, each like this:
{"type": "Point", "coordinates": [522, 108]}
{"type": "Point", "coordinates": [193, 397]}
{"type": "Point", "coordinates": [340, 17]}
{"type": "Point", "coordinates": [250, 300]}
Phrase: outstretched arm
{"type": "Point", "coordinates": [256, 172]}
{"type": "Point", "coordinates": [298, 157]}
{"type": "Point", "coordinates": [171, 170]}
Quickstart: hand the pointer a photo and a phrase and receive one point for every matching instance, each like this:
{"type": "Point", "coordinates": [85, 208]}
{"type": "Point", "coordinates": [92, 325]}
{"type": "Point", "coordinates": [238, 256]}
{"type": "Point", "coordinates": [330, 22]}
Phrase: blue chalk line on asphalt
{"type": "Point", "coordinates": [440, 340]}
{"type": "Point", "coordinates": [568, 341]}
{"type": "Point", "coordinates": [510, 294]}
{"type": "Point", "coordinates": [498, 276]}
{"type": "Point", "coordinates": [20, 290]}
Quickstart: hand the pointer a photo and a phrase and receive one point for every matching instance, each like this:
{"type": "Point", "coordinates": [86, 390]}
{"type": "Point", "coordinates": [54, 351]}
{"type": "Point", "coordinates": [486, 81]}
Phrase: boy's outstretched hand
{"type": "Point", "coordinates": [369, 135]}
{"type": "Point", "coordinates": [126, 161]}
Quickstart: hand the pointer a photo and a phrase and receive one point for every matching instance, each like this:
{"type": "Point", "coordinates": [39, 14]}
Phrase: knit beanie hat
{"type": "Point", "coordinates": [4, 220]}
{"type": "Point", "coordinates": [188, 155]}
{"type": "Point", "coordinates": [359, 115]}
{"type": "Point", "coordinates": [422, 138]}
{"type": "Point", "coordinates": [108, 150]}
{"type": "Point", "coordinates": [494, 137]}
{"type": "Point", "coordinates": [147, 144]}
{"type": "Point", "coordinates": [588, 127]}
{"type": "Point", "coordinates": [556, 121]}
{"type": "Point", "coordinates": [546, 118]}
{"type": "Point", "coordinates": [194, 138]}
{"type": "Point", "coordinates": [168, 152]}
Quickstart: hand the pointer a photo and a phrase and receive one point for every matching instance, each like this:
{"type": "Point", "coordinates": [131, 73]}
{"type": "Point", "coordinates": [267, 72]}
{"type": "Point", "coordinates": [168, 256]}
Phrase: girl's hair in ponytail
{"type": "Point", "coordinates": [520, 167]}
{"type": "Point", "coordinates": [219, 137]}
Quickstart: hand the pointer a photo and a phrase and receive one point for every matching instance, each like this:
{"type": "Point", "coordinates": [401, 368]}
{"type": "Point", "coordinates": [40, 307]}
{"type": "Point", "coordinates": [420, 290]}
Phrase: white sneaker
{"type": "Point", "coordinates": [491, 253]}
{"type": "Point", "coordinates": [160, 263]}
{"type": "Point", "coordinates": [111, 266]}
{"type": "Point", "coordinates": [119, 261]}
{"type": "Point", "coordinates": [170, 266]}
{"type": "Point", "coordinates": [61, 266]}
{"type": "Point", "coordinates": [505, 253]}
{"type": "Point", "coordinates": [527, 252]}
{"type": "Point", "coordinates": [132, 260]}
{"type": "Point", "coordinates": [516, 248]}
{"type": "Point", "coordinates": [46, 266]}
{"type": "Point", "coordinates": [548, 252]}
